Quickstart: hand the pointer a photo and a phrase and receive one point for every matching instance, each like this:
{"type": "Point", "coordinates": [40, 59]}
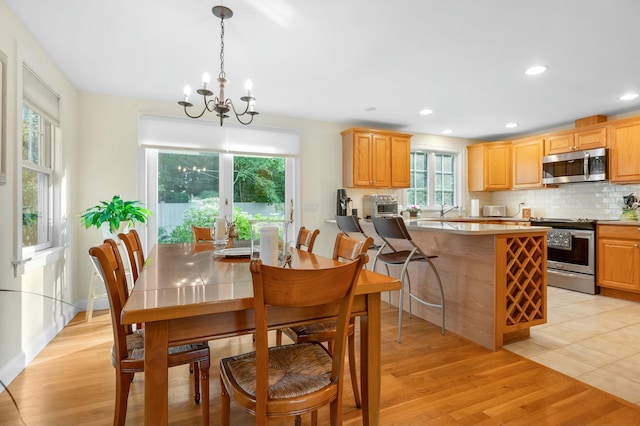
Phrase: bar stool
{"type": "Point", "coordinates": [393, 228]}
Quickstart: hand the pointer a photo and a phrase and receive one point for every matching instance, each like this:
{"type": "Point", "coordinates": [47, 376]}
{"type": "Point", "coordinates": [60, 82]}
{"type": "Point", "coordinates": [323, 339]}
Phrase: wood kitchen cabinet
{"type": "Point", "coordinates": [618, 264]}
{"type": "Point", "coordinates": [400, 161]}
{"type": "Point", "coordinates": [624, 163]}
{"type": "Point", "coordinates": [576, 140]}
{"type": "Point", "coordinates": [489, 166]}
{"type": "Point", "coordinates": [375, 159]}
{"type": "Point", "coordinates": [527, 162]}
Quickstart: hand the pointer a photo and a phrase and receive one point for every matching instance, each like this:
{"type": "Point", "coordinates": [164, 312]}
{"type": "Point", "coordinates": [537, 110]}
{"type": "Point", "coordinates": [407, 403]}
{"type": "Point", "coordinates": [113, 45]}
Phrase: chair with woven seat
{"type": "Point", "coordinates": [393, 229]}
{"type": "Point", "coordinates": [128, 350]}
{"type": "Point", "coordinates": [345, 248]}
{"type": "Point", "coordinates": [201, 233]}
{"type": "Point", "coordinates": [292, 380]}
{"type": "Point", "coordinates": [306, 239]}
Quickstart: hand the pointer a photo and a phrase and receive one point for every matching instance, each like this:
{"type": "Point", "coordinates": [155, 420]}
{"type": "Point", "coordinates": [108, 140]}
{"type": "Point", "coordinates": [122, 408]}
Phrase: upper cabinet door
{"type": "Point", "coordinates": [624, 164]}
{"type": "Point", "coordinates": [559, 143]}
{"type": "Point", "coordinates": [362, 154]}
{"type": "Point", "coordinates": [527, 163]}
{"type": "Point", "coordinates": [590, 139]}
{"type": "Point", "coordinates": [400, 162]}
{"type": "Point", "coordinates": [381, 161]}
{"type": "Point", "coordinates": [489, 166]}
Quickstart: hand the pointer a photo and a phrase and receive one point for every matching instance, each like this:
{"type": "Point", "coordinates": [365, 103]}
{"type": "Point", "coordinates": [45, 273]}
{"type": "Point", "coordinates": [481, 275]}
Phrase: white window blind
{"type": "Point", "coordinates": [164, 132]}
{"type": "Point", "coordinates": [40, 95]}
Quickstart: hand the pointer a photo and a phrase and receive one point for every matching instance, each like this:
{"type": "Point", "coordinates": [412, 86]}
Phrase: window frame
{"type": "Point", "coordinates": [458, 176]}
{"type": "Point", "coordinates": [26, 259]}
{"type": "Point", "coordinates": [47, 130]}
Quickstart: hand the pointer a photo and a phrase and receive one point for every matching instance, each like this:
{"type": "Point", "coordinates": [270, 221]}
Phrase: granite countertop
{"type": "Point", "coordinates": [464, 227]}
{"type": "Point", "coordinates": [471, 228]}
{"type": "Point", "coordinates": [474, 219]}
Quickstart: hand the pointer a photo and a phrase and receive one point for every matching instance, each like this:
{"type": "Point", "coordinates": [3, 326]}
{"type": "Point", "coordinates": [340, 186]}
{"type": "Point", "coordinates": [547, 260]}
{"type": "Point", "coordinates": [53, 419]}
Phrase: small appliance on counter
{"type": "Point", "coordinates": [494, 211]}
{"type": "Point", "coordinates": [380, 205]}
{"type": "Point", "coordinates": [342, 203]}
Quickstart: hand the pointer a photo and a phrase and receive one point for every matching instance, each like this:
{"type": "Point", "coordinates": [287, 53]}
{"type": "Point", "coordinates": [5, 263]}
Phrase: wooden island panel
{"type": "Point", "coordinates": [494, 280]}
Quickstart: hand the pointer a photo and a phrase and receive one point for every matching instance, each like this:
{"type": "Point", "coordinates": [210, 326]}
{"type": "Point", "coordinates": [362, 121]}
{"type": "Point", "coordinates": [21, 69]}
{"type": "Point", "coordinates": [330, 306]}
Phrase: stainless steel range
{"type": "Point", "coordinates": [571, 253]}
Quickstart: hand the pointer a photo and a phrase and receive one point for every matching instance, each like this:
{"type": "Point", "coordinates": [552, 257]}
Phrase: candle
{"type": "Point", "coordinates": [221, 228]}
{"type": "Point", "coordinates": [269, 245]}
{"type": "Point", "coordinates": [187, 92]}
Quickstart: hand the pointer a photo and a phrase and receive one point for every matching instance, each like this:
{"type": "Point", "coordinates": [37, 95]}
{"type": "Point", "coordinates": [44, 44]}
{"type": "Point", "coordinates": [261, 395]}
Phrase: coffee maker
{"type": "Point", "coordinates": [342, 203]}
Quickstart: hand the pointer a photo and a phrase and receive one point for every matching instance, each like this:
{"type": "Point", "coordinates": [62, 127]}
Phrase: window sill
{"type": "Point", "coordinates": [38, 260]}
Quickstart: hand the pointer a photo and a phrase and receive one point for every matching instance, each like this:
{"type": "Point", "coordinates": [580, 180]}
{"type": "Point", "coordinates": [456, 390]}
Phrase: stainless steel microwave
{"type": "Point", "coordinates": [590, 165]}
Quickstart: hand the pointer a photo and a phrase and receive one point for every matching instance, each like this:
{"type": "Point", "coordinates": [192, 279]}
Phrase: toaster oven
{"type": "Point", "coordinates": [379, 206]}
{"type": "Point", "coordinates": [494, 211]}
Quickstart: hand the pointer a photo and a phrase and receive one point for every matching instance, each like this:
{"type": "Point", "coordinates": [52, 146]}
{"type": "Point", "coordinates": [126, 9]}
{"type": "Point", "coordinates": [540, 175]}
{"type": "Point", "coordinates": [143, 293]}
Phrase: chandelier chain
{"type": "Point", "coordinates": [222, 73]}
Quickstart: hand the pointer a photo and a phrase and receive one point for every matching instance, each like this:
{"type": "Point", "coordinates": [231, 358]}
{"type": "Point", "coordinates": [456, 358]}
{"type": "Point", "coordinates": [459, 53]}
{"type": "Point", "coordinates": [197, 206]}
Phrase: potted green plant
{"type": "Point", "coordinates": [114, 213]}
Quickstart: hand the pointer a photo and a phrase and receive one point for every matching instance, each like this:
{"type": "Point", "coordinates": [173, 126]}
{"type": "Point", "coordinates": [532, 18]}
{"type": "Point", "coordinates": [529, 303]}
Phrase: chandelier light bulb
{"type": "Point", "coordinates": [187, 92]}
{"type": "Point", "coordinates": [248, 86]}
{"type": "Point", "coordinates": [205, 80]}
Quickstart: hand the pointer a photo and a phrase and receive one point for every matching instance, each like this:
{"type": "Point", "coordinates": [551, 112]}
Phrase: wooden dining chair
{"type": "Point", "coordinates": [133, 246]}
{"type": "Point", "coordinates": [201, 233]}
{"type": "Point", "coordinates": [306, 239]}
{"type": "Point", "coordinates": [128, 350]}
{"type": "Point", "coordinates": [345, 248]}
{"type": "Point", "coordinates": [292, 380]}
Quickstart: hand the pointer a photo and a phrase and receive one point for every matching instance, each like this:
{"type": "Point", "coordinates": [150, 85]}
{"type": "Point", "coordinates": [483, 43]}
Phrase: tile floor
{"type": "Point", "coordinates": [594, 339]}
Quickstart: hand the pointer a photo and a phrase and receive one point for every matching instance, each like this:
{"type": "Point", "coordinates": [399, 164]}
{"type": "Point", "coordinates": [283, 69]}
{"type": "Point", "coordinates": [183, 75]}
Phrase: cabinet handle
{"type": "Point", "coordinates": [635, 245]}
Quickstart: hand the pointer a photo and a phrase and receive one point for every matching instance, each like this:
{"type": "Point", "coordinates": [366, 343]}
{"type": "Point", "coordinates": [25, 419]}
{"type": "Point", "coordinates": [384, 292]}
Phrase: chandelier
{"type": "Point", "coordinates": [219, 104]}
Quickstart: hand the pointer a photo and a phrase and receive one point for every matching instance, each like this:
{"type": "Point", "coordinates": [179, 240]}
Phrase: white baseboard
{"type": "Point", "coordinates": [18, 363]}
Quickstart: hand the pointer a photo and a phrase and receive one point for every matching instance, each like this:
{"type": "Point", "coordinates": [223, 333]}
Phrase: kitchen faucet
{"type": "Point", "coordinates": [444, 210]}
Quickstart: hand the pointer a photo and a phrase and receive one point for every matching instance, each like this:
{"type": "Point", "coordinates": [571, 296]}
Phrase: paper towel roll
{"type": "Point", "coordinates": [269, 245]}
{"type": "Point", "coordinates": [475, 207]}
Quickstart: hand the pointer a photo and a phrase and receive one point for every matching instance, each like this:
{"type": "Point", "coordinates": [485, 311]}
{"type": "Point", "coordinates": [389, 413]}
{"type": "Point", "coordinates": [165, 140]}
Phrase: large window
{"type": "Point", "coordinates": [434, 178]}
{"type": "Point", "coordinates": [189, 193]}
{"type": "Point", "coordinates": [38, 186]}
{"type": "Point", "coordinates": [233, 171]}
{"type": "Point", "coordinates": [37, 178]}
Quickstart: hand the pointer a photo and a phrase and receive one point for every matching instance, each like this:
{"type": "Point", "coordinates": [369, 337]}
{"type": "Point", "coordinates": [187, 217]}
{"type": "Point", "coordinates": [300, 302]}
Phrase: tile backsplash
{"type": "Point", "coordinates": [593, 200]}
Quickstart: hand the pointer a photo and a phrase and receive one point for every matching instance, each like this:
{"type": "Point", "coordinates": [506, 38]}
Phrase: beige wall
{"type": "Point", "coordinates": [29, 317]}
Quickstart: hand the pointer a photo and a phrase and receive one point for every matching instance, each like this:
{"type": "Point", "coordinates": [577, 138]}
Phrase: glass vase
{"type": "Point", "coordinates": [269, 241]}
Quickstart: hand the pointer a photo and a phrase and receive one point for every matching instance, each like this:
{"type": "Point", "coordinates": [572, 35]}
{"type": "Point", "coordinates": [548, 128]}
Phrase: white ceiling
{"type": "Point", "coordinates": [330, 60]}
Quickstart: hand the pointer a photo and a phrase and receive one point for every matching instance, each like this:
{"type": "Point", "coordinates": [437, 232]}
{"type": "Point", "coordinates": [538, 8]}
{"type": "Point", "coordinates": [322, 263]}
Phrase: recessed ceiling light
{"type": "Point", "coordinates": [369, 109]}
{"type": "Point", "coordinates": [628, 96]}
{"type": "Point", "coordinates": [426, 112]}
{"type": "Point", "coordinates": [511, 125]}
{"type": "Point", "coordinates": [535, 70]}
{"type": "Point", "coordinates": [447, 132]}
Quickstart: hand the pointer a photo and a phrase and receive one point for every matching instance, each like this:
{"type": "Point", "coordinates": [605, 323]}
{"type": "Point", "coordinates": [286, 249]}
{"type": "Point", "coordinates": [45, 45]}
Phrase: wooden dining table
{"type": "Point", "coordinates": [188, 293]}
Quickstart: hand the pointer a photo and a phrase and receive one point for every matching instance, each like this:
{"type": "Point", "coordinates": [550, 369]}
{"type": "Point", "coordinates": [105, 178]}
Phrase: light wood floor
{"type": "Point", "coordinates": [428, 379]}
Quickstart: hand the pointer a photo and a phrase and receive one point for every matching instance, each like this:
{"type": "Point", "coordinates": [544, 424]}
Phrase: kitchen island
{"type": "Point", "coordinates": [494, 278]}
